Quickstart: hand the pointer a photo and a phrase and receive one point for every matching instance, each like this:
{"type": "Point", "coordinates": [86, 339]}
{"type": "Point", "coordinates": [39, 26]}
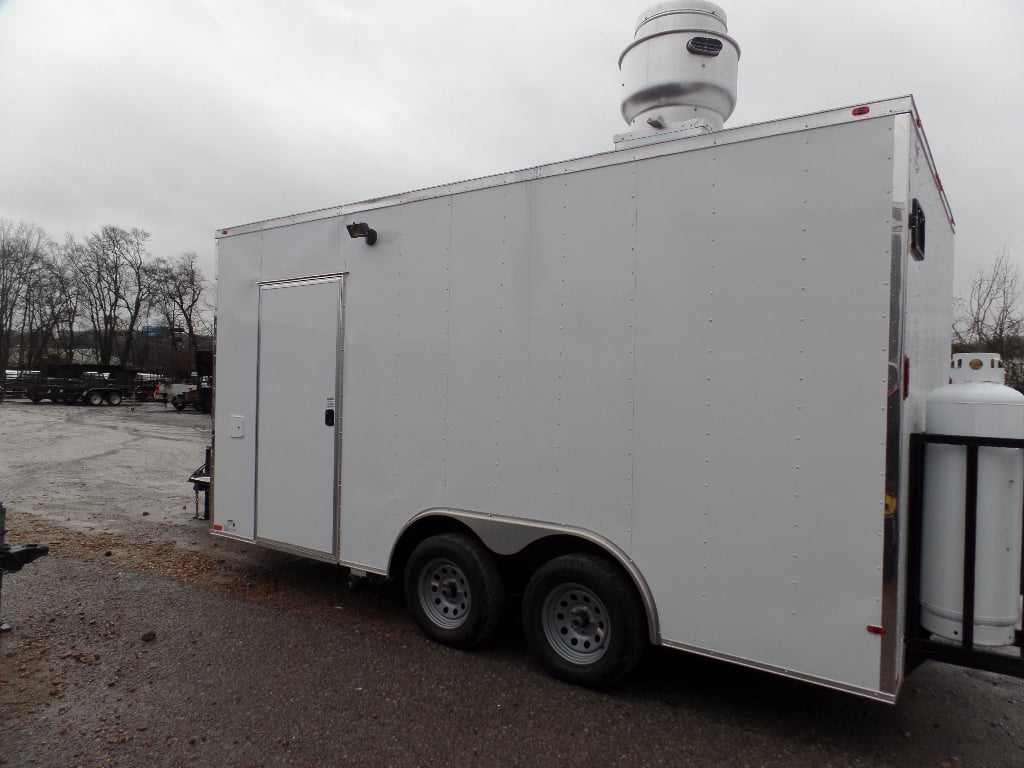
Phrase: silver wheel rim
{"type": "Point", "coordinates": [444, 593]}
{"type": "Point", "coordinates": [576, 623]}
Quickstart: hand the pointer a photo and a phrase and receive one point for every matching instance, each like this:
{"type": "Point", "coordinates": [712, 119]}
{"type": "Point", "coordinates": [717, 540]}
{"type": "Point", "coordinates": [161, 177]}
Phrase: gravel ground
{"type": "Point", "coordinates": [143, 641]}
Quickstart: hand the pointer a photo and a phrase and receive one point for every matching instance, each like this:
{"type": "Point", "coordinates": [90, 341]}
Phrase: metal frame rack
{"type": "Point", "coordinates": [919, 643]}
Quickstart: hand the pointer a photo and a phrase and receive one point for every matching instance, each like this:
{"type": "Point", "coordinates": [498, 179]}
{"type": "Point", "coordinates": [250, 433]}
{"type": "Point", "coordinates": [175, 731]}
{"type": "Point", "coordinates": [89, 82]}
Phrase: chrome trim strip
{"type": "Point", "coordinates": [232, 536]}
{"type": "Point", "coordinates": [354, 566]}
{"type": "Point", "coordinates": [256, 410]}
{"type": "Point", "coordinates": [339, 420]}
{"type": "Point", "coordinates": [280, 546]}
{"type": "Point", "coordinates": [321, 556]}
{"type": "Point", "coordinates": [825, 682]}
{"type": "Point", "coordinates": [894, 488]}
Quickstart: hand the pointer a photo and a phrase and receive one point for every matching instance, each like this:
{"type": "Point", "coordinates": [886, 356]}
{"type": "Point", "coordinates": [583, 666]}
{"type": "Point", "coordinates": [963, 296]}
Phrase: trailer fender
{"type": "Point", "coordinates": [509, 536]}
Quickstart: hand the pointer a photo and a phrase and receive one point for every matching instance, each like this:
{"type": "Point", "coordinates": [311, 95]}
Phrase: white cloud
{"type": "Point", "coordinates": [181, 116]}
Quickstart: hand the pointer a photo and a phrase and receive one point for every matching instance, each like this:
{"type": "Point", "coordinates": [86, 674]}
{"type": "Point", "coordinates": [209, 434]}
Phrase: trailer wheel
{"type": "Point", "coordinates": [35, 396]}
{"type": "Point", "coordinates": [583, 620]}
{"type": "Point", "coordinates": [94, 397]}
{"type": "Point", "coordinates": [178, 402]}
{"type": "Point", "coordinates": [114, 398]}
{"type": "Point", "coordinates": [454, 590]}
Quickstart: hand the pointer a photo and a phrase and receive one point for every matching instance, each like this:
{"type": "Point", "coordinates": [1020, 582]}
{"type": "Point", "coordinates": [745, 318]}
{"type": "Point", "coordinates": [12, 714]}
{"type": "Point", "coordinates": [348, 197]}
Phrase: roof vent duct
{"type": "Point", "coordinates": [680, 69]}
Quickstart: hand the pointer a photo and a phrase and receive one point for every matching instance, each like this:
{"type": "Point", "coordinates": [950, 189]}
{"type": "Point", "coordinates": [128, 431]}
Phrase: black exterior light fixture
{"type": "Point", "coordinates": [362, 229]}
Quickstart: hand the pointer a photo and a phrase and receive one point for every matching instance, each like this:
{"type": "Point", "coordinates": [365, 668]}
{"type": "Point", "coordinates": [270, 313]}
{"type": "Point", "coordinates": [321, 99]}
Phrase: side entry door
{"type": "Point", "coordinates": [298, 415]}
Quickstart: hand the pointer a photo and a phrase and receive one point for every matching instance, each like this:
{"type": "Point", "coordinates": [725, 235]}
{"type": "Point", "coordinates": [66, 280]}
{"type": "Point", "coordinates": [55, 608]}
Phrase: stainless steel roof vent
{"type": "Point", "coordinates": [678, 73]}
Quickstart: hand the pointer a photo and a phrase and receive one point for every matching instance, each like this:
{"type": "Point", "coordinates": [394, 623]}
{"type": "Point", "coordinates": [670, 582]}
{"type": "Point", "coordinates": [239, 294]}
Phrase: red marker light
{"type": "Point", "coordinates": [857, 112]}
{"type": "Point", "coordinates": [875, 629]}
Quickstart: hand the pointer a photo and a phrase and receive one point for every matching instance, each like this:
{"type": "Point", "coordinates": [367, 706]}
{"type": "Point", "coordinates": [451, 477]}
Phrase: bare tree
{"type": "Point", "coordinates": [98, 282]}
{"type": "Point", "coordinates": [182, 287]}
{"type": "Point", "coordinates": [41, 317]}
{"type": "Point", "coordinates": [101, 289]}
{"type": "Point", "coordinates": [114, 282]}
{"type": "Point", "coordinates": [65, 296]}
{"type": "Point", "coordinates": [138, 281]}
{"type": "Point", "coordinates": [23, 248]}
{"type": "Point", "coordinates": [990, 319]}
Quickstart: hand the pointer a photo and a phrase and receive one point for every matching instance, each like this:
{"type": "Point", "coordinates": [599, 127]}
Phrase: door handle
{"type": "Point", "coordinates": [329, 417]}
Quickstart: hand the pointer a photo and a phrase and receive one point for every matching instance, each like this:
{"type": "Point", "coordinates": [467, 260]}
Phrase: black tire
{"type": "Point", "coordinates": [35, 395]}
{"type": "Point", "coordinates": [94, 397]}
{"type": "Point", "coordinates": [454, 590]}
{"type": "Point", "coordinates": [583, 620]}
{"type": "Point", "coordinates": [114, 398]}
{"type": "Point", "coordinates": [178, 402]}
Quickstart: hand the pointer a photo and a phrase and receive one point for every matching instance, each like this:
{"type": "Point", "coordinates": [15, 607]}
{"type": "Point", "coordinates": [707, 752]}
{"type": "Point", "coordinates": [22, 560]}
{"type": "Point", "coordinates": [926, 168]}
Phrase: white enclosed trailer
{"type": "Point", "coordinates": [671, 385]}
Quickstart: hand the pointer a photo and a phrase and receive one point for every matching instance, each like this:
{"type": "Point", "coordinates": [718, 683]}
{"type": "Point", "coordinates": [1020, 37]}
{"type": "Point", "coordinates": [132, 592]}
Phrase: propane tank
{"type": "Point", "coordinates": [975, 403]}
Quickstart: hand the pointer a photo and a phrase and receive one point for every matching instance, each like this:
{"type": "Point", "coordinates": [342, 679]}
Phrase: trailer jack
{"type": "Point", "coordinates": [200, 480]}
{"type": "Point", "coordinates": [13, 558]}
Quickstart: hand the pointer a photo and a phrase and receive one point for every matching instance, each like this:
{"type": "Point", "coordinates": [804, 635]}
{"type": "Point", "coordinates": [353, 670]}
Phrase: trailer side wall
{"type": "Point", "coordinates": [685, 354]}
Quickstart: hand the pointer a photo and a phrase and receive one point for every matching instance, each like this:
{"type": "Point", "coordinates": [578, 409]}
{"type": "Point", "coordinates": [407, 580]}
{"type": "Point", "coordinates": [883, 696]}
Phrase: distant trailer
{"type": "Point", "coordinates": [84, 383]}
{"type": "Point", "coordinates": [75, 391]}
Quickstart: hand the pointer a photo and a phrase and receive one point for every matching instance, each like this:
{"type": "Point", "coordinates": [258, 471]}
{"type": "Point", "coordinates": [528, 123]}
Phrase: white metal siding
{"type": "Point", "coordinates": [489, 361]}
{"type": "Point", "coordinates": [292, 252]}
{"type": "Point", "coordinates": [928, 291]}
{"type": "Point", "coordinates": [234, 489]}
{"type": "Point", "coordinates": [396, 320]}
{"type": "Point", "coordinates": [580, 364]}
{"type": "Point", "coordinates": [762, 339]}
{"type": "Point", "coordinates": [488, 414]}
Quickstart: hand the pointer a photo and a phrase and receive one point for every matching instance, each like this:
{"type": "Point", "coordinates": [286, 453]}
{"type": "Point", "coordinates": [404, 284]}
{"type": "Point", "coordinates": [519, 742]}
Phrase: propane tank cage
{"type": "Point", "coordinates": [919, 643]}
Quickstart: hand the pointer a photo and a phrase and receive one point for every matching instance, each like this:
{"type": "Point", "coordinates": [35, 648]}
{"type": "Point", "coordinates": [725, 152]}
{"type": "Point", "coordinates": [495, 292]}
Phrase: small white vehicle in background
{"type": "Point", "coordinates": [172, 392]}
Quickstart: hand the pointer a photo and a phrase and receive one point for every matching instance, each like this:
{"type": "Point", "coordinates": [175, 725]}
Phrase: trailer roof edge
{"type": "Point", "coordinates": [838, 116]}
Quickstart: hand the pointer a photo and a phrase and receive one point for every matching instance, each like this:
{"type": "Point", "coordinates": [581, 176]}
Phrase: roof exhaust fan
{"type": "Point", "coordinates": [678, 73]}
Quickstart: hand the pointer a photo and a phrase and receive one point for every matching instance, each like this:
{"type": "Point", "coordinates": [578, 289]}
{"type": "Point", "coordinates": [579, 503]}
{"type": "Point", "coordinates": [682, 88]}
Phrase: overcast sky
{"type": "Point", "coordinates": [183, 116]}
